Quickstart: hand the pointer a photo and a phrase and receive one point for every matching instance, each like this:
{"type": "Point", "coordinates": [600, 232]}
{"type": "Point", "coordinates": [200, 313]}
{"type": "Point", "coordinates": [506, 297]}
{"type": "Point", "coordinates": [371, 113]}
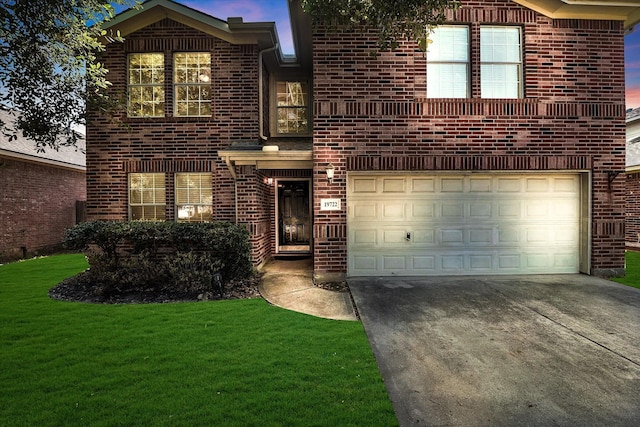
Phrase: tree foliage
{"type": "Point", "coordinates": [49, 70]}
{"type": "Point", "coordinates": [395, 20]}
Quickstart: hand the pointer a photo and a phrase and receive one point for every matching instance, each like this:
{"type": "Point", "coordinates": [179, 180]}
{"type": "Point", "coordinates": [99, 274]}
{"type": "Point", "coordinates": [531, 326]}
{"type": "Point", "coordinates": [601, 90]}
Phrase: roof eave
{"type": "Point", "coordinates": [618, 10]}
{"type": "Point", "coordinates": [41, 161]}
{"type": "Point", "coordinates": [235, 31]}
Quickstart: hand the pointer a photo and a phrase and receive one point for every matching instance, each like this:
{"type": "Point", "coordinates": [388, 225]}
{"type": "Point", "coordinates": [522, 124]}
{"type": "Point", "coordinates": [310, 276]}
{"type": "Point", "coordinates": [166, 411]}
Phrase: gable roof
{"type": "Point", "coordinates": [234, 30]}
{"type": "Point", "coordinates": [619, 10]}
{"type": "Point", "coordinates": [24, 149]}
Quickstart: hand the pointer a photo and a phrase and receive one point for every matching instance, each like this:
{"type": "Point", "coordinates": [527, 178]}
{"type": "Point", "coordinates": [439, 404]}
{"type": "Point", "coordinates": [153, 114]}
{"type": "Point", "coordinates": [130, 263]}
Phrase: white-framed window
{"type": "Point", "coordinates": [194, 197]}
{"type": "Point", "coordinates": [292, 107]}
{"type": "Point", "coordinates": [145, 85]}
{"type": "Point", "coordinates": [448, 62]}
{"type": "Point", "coordinates": [500, 62]}
{"type": "Point", "coordinates": [192, 84]}
{"type": "Point", "coordinates": [147, 197]}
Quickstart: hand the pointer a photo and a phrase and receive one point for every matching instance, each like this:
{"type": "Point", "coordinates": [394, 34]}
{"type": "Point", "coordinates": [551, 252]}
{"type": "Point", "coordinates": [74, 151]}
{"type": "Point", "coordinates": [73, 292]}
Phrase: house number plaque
{"type": "Point", "coordinates": [330, 205]}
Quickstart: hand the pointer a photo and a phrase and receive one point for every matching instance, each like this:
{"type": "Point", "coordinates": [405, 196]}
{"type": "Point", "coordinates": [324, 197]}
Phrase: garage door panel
{"type": "Point", "coordinates": [466, 224]}
{"type": "Point", "coordinates": [420, 210]}
{"type": "Point", "coordinates": [394, 263]}
{"type": "Point", "coordinates": [364, 237]}
{"type": "Point", "coordinates": [393, 211]}
{"type": "Point", "coordinates": [390, 237]}
{"type": "Point", "coordinates": [452, 185]}
{"type": "Point", "coordinates": [509, 210]}
{"type": "Point", "coordinates": [363, 264]}
{"type": "Point", "coordinates": [393, 185]}
{"type": "Point", "coordinates": [422, 185]}
{"type": "Point", "coordinates": [421, 264]}
{"type": "Point", "coordinates": [451, 210]}
{"type": "Point", "coordinates": [480, 185]}
{"type": "Point", "coordinates": [566, 185]}
{"type": "Point", "coordinates": [508, 185]}
{"type": "Point", "coordinates": [365, 211]}
{"type": "Point", "coordinates": [361, 185]}
{"type": "Point", "coordinates": [481, 209]}
{"type": "Point", "coordinates": [480, 236]}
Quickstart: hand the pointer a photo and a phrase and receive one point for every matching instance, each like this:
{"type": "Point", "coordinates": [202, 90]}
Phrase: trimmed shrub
{"type": "Point", "coordinates": [183, 258]}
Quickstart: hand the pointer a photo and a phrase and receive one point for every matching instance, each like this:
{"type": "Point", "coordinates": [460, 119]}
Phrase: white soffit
{"type": "Point", "coordinates": [621, 10]}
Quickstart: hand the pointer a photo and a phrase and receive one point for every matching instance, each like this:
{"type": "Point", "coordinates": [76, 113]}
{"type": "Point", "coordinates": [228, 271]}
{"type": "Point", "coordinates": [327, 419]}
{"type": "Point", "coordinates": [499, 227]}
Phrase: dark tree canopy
{"type": "Point", "coordinates": [49, 71]}
{"type": "Point", "coordinates": [396, 20]}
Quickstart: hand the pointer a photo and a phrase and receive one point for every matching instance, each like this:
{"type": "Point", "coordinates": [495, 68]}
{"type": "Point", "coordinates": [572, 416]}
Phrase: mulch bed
{"type": "Point", "coordinates": [78, 290]}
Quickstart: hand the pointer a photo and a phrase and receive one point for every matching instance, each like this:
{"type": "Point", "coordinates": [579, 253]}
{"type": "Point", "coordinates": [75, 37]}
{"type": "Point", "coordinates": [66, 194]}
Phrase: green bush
{"type": "Point", "coordinates": [184, 258]}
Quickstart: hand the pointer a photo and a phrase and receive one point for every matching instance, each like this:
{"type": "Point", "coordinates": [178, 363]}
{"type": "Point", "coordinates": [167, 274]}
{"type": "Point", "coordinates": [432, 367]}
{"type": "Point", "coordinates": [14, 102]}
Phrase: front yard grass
{"type": "Point", "coordinates": [232, 363]}
{"type": "Point", "coordinates": [632, 277]}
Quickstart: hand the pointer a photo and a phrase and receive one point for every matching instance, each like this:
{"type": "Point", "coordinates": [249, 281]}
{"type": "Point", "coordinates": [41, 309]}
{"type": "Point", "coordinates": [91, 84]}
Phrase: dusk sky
{"type": "Point", "coordinates": [277, 10]}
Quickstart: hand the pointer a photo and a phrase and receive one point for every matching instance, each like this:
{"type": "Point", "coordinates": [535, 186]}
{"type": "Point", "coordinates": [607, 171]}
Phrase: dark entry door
{"type": "Point", "coordinates": [294, 219]}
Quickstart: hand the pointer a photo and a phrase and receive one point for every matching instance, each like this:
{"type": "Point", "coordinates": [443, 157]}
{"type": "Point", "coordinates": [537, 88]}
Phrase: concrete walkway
{"type": "Point", "coordinates": [288, 283]}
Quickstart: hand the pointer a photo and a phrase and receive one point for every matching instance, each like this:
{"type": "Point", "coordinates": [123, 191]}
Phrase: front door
{"type": "Point", "coordinates": [294, 219]}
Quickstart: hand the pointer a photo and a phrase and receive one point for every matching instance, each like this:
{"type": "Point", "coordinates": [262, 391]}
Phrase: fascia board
{"type": "Point", "coordinates": [620, 10]}
{"type": "Point", "coordinates": [41, 161]}
{"type": "Point", "coordinates": [153, 11]}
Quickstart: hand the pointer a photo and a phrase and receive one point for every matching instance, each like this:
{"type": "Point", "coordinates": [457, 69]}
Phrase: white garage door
{"type": "Point", "coordinates": [463, 224]}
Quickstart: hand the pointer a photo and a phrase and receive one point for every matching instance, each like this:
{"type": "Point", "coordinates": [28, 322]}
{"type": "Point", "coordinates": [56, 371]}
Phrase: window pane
{"type": "Point", "coordinates": [449, 43]}
{"type": "Point", "coordinates": [500, 57]}
{"type": "Point", "coordinates": [447, 81]}
{"type": "Point", "coordinates": [292, 101]}
{"type": "Point", "coordinates": [135, 196]}
{"type": "Point", "coordinates": [448, 62]}
{"type": "Point", "coordinates": [194, 197]}
{"type": "Point", "coordinates": [146, 78]}
{"type": "Point", "coordinates": [192, 78]}
{"type": "Point", "coordinates": [500, 81]}
{"type": "Point", "coordinates": [147, 196]}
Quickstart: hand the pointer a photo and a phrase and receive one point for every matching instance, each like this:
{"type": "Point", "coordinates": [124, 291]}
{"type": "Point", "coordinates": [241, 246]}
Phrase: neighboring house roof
{"type": "Point", "coordinates": [24, 149]}
{"type": "Point", "coordinates": [620, 10]}
{"type": "Point", "coordinates": [633, 141]}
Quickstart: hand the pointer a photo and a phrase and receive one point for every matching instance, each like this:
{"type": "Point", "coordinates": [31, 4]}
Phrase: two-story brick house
{"type": "Point", "coordinates": [496, 152]}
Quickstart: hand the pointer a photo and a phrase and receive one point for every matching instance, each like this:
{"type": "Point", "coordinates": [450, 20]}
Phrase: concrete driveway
{"type": "Point", "coordinates": [505, 350]}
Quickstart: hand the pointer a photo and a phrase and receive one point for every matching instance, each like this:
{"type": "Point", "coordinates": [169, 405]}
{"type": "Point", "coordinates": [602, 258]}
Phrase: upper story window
{"type": "Point", "coordinates": [194, 197]}
{"type": "Point", "coordinates": [146, 85]}
{"type": "Point", "coordinates": [292, 108]}
{"type": "Point", "coordinates": [448, 62]}
{"type": "Point", "coordinates": [500, 62]}
{"type": "Point", "coordinates": [146, 197]}
{"type": "Point", "coordinates": [192, 84]}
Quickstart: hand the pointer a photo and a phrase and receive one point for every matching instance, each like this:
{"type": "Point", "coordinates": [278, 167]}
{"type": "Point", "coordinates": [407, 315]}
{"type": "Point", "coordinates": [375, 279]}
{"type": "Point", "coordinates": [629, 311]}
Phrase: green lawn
{"type": "Point", "coordinates": [231, 363]}
{"type": "Point", "coordinates": [632, 277]}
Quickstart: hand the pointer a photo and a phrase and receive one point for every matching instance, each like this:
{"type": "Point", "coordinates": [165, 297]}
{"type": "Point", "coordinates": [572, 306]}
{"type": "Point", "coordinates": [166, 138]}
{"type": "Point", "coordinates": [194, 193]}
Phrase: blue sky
{"type": "Point", "coordinates": [277, 10]}
{"type": "Point", "coordinates": [632, 67]}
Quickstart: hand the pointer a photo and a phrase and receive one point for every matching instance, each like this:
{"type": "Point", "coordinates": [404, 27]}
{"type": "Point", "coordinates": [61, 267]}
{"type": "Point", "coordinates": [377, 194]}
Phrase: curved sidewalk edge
{"type": "Point", "coordinates": [295, 291]}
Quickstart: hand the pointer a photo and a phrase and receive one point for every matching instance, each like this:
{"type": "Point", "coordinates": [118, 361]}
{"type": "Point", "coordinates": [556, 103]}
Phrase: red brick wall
{"type": "Point", "coordinates": [371, 113]}
{"type": "Point", "coordinates": [119, 145]}
{"type": "Point", "coordinates": [37, 204]}
{"type": "Point", "coordinates": [172, 144]}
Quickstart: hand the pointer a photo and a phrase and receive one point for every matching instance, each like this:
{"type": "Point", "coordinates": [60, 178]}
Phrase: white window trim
{"type": "Point", "coordinates": [520, 62]}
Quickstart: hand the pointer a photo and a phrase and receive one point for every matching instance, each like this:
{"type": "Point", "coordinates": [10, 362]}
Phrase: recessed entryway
{"type": "Point", "coordinates": [293, 210]}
